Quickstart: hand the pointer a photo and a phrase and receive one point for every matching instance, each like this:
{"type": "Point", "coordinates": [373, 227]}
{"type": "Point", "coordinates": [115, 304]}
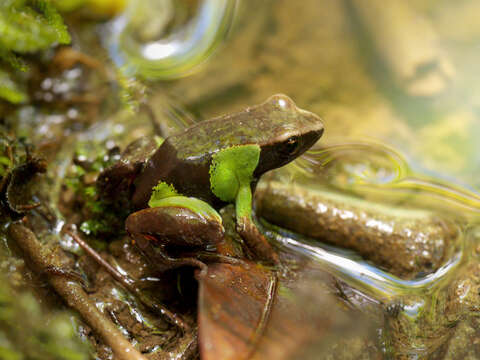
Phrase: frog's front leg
{"type": "Point", "coordinates": [175, 225]}
{"type": "Point", "coordinates": [248, 230]}
{"type": "Point", "coordinates": [231, 176]}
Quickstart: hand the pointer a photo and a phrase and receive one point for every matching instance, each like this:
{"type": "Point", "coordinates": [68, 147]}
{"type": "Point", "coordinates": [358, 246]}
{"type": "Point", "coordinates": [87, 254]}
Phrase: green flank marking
{"type": "Point", "coordinates": [195, 205]}
{"type": "Point", "coordinates": [233, 168]}
{"type": "Point", "coordinates": [160, 192]}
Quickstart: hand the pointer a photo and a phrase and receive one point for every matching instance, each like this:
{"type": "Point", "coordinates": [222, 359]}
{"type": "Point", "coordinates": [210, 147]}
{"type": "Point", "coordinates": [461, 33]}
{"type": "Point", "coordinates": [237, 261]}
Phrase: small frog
{"type": "Point", "coordinates": [176, 188]}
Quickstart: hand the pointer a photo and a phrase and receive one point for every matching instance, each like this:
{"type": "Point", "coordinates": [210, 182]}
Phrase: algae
{"type": "Point", "coordinates": [26, 27]}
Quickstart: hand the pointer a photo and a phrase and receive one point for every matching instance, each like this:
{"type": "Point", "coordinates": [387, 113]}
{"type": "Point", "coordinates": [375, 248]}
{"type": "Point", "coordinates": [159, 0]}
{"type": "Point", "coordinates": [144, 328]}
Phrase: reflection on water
{"type": "Point", "coordinates": [356, 194]}
{"type": "Point", "coordinates": [356, 162]}
{"type": "Point", "coordinates": [358, 273]}
{"type": "Point", "coordinates": [375, 170]}
{"type": "Point", "coordinates": [381, 192]}
{"type": "Point", "coordinates": [356, 167]}
{"type": "Point", "coordinates": [140, 43]}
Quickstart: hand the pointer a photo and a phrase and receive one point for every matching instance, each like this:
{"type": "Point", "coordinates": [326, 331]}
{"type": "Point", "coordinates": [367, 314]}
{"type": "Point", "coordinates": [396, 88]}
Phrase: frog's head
{"type": "Point", "coordinates": [290, 132]}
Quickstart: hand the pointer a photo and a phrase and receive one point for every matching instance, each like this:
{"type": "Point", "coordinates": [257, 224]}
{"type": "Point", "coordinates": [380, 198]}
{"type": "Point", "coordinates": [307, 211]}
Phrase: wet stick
{"type": "Point", "coordinates": [405, 242]}
{"type": "Point", "coordinates": [73, 293]}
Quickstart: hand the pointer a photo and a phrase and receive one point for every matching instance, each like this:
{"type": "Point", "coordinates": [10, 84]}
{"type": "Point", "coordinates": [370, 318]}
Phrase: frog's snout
{"type": "Point", "coordinates": [320, 132]}
{"type": "Point", "coordinates": [312, 136]}
{"type": "Point", "coordinates": [312, 125]}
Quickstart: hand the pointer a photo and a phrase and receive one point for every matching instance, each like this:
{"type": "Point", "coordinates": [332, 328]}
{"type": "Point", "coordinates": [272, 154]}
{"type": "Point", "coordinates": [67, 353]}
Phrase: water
{"type": "Point", "coordinates": [140, 43]}
{"type": "Point", "coordinates": [401, 120]}
{"type": "Point", "coordinates": [372, 185]}
{"type": "Point", "coordinates": [360, 274]}
{"type": "Point", "coordinates": [374, 170]}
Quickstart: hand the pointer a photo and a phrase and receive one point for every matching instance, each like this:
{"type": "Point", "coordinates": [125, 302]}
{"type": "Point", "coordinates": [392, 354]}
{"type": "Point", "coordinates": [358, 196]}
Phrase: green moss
{"type": "Point", "coordinates": [159, 140]}
{"type": "Point", "coordinates": [10, 90]}
{"type": "Point", "coordinates": [99, 219]}
{"type": "Point", "coordinates": [94, 227]}
{"type": "Point", "coordinates": [26, 26]}
{"type": "Point", "coordinates": [5, 162]}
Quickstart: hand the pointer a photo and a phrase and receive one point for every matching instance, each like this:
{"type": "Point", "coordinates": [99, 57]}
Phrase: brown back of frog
{"type": "Point", "coordinates": [114, 184]}
{"type": "Point", "coordinates": [282, 131]}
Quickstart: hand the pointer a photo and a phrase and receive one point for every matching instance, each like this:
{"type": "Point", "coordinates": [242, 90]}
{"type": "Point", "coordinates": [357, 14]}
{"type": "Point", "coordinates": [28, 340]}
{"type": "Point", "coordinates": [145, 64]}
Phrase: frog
{"type": "Point", "coordinates": [176, 186]}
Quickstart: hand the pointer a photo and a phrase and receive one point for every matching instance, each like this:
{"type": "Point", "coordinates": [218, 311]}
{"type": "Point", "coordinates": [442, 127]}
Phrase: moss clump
{"type": "Point", "coordinates": [97, 218]}
{"type": "Point", "coordinates": [26, 27]}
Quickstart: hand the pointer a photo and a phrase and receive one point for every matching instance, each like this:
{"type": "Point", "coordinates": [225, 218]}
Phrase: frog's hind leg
{"type": "Point", "coordinates": [159, 258]}
{"type": "Point", "coordinates": [178, 223]}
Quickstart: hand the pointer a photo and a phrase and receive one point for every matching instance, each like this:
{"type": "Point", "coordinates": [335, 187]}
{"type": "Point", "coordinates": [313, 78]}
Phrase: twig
{"type": "Point", "coordinates": [129, 284]}
{"type": "Point", "coordinates": [73, 294]}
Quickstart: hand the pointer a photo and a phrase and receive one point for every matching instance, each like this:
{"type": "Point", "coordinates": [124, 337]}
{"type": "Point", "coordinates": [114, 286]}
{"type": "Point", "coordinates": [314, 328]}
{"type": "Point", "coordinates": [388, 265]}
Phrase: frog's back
{"type": "Point", "coordinates": [184, 159]}
{"type": "Point", "coordinates": [114, 183]}
{"type": "Point", "coordinates": [189, 176]}
{"type": "Point", "coordinates": [254, 125]}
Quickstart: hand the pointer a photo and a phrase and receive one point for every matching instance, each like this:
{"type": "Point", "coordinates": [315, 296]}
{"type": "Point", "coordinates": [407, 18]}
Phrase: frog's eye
{"type": "Point", "coordinates": [292, 144]}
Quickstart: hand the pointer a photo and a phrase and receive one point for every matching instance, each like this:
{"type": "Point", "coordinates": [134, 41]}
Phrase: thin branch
{"type": "Point", "coordinates": [129, 284]}
{"type": "Point", "coordinates": [73, 293]}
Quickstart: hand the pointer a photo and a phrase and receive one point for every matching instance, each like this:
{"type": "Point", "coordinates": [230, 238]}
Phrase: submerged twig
{"type": "Point", "coordinates": [73, 294]}
{"type": "Point", "coordinates": [128, 283]}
